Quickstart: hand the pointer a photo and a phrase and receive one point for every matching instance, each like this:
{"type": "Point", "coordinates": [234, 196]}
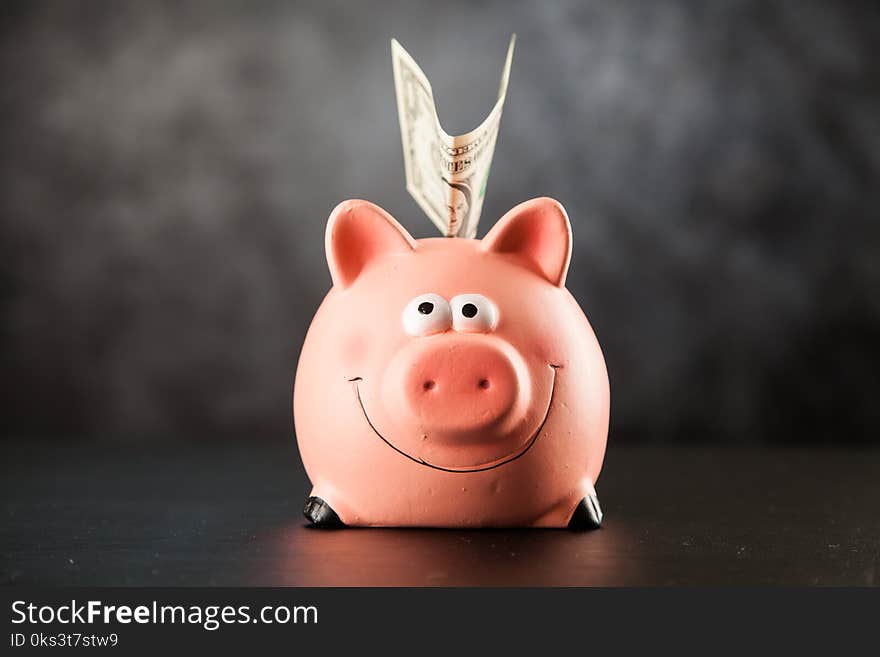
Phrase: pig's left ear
{"type": "Point", "coordinates": [357, 233]}
{"type": "Point", "coordinates": [538, 231]}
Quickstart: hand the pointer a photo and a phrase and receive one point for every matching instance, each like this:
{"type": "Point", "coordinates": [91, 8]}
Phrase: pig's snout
{"type": "Point", "coordinates": [452, 385]}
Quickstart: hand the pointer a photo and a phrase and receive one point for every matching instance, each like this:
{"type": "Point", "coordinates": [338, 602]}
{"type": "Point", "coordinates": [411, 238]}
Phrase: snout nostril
{"type": "Point", "coordinates": [428, 385]}
{"type": "Point", "coordinates": [484, 384]}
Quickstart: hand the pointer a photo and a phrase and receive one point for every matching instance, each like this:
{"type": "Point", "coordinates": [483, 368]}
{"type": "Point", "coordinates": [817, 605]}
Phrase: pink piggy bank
{"type": "Point", "coordinates": [451, 382]}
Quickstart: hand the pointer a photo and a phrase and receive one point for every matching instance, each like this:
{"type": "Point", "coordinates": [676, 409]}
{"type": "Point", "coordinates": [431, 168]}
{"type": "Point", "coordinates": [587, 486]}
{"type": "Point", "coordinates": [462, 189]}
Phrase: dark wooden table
{"type": "Point", "coordinates": [221, 514]}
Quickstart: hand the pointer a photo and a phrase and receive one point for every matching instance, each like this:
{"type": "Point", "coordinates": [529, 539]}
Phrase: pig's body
{"type": "Point", "coordinates": [499, 424]}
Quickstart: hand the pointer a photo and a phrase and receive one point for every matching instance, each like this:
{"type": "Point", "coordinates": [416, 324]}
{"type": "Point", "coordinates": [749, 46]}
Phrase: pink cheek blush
{"type": "Point", "coordinates": [353, 353]}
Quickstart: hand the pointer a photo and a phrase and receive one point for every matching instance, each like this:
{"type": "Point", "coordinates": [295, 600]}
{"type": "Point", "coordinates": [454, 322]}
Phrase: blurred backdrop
{"type": "Point", "coordinates": [168, 167]}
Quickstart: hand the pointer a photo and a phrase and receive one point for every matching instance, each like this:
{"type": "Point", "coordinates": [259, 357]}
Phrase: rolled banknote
{"type": "Point", "coordinates": [445, 174]}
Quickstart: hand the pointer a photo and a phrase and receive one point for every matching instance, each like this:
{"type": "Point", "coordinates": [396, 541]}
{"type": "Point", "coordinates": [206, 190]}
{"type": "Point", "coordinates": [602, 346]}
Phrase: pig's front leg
{"type": "Point", "coordinates": [319, 512]}
{"type": "Point", "coordinates": [587, 514]}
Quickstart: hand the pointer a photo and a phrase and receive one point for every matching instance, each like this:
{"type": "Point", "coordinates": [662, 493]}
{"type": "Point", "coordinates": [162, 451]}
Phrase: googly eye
{"type": "Point", "coordinates": [473, 313]}
{"type": "Point", "coordinates": [427, 314]}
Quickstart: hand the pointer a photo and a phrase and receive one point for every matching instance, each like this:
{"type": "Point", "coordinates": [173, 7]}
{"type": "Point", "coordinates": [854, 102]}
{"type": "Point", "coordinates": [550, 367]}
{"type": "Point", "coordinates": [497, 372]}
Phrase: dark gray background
{"type": "Point", "coordinates": [167, 170]}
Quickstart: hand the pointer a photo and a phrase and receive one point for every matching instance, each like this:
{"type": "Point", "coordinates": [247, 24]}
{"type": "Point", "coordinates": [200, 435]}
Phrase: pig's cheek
{"type": "Point", "coordinates": [542, 349]}
{"type": "Point", "coordinates": [553, 347]}
{"type": "Point", "coordinates": [538, 341]}
{"type": "Point", "coordinates": [353, 354]}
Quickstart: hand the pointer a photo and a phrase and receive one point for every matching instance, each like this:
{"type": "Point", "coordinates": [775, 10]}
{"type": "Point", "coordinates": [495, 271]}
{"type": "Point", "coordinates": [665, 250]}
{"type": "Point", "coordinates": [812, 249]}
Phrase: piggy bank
{"type": "Point", "coordinates": [450, 382]}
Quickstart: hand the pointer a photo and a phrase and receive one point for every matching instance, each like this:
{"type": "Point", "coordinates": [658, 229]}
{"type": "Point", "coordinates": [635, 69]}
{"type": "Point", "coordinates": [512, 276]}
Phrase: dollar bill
{"type": "Point", "coordinates": [445, 174]}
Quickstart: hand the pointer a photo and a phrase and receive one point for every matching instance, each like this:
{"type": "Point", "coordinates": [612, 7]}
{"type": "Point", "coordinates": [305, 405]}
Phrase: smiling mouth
{"type": "Point", "coordinates": [476, 468]}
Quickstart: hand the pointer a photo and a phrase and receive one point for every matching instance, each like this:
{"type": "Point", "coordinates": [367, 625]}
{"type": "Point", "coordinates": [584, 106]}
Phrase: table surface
{"type": "Point", "coordinates": [196, 514]}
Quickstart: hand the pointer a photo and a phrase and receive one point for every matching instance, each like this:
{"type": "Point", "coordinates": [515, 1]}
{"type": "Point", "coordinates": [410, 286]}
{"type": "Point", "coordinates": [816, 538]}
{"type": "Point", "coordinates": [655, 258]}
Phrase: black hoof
{"type": "Point", "coordinates": [587, 515]}
{"type": "Point", "coordinates": [321, 514]}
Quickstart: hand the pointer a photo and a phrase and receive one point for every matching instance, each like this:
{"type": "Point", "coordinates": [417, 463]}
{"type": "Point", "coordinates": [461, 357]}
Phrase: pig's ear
{"type": "Point", "coordinates": [358, 232]}
{"type": "Point", "coordinates": [539, 233]}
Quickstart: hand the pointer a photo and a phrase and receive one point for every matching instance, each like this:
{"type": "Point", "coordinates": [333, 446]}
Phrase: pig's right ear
{"type": "Point", "coordinates": [358, 232]}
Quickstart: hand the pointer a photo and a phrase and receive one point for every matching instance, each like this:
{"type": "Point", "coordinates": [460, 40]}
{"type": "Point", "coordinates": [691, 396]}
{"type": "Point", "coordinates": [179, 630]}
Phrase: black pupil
{"type": "Point", "coordinates": [468, 310]}
{"type": "Point", "coordinates": [426, 307]}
